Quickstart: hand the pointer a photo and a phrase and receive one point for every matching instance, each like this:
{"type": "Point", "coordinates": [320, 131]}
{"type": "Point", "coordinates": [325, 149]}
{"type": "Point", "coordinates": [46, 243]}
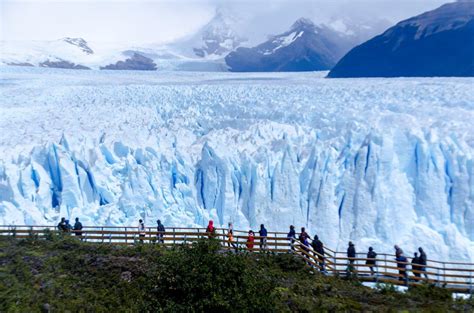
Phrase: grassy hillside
{"type": "Point", "coordinates": [63, 274]}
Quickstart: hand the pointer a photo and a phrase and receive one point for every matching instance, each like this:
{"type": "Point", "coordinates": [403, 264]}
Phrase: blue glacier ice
{"type": "Point", "coordinates": [376, 161]}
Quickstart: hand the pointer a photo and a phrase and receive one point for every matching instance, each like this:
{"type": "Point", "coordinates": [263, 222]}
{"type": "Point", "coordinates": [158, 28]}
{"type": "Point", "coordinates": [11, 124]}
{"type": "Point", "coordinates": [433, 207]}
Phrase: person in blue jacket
{"type": "Point", "coordinates": [263, 237]}
{"type": "Point", "coordinates": [291, 236]}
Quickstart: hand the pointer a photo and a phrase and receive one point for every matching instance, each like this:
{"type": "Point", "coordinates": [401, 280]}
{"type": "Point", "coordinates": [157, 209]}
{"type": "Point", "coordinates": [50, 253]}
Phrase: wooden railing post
{"type": "Point", "coordinates": [444, 272]}
{"type": "Point", "coordinates": [126, 235]}
{"type": "Point", "coordinates": [102, 232]}
{"type": "Point", "coordinates": [174, 236]}
{"type": "Point", "coordinates": [437, 280]}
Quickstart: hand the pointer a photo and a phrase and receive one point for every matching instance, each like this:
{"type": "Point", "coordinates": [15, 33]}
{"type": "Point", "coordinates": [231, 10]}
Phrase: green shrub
{"type": "Point", "coordinates": [64, 274]}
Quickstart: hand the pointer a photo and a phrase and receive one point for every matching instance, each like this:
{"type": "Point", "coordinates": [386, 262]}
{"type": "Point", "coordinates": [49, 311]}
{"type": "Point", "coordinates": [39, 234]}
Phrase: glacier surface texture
{"type": "Point", "coordinates": [376, 161]}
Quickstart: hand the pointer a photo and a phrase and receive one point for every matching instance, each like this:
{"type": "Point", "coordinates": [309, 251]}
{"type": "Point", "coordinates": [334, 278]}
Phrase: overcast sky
{"type": "Point", "coordinates": [162, 21]}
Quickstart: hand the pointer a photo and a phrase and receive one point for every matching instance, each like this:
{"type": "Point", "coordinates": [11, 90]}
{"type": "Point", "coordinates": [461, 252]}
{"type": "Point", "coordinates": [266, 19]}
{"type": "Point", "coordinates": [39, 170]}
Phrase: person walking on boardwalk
{"type": "Point", "coordinates": [77, 227]}
{"type": "Point", "coordinates": [398, 251]}
{"type": "Point", "coordinates": [319, 248]}
{"type": "Point", "coordinates": [371, 260]}
{"type": "Point", "coordinates": [68, 226]}
{"type": "Point", "coordinates": [263, 237]}
{"type": "Point", "coordinates": [351, 254]}
{"type": "Point", "coordinates": [423, 261]}
{"type": "Point", "coordinates": [62, 225]}
{"type": "Point", "coordinates": [141, 230]}
{"type": "Point", "coordinates": [230, 239]}
{"type": "Point", "coordinates": [416, 266]}
{"type": "Point", "coordinates": [160, 228]}
{"type": "Point", "coordinates": [304, 239]}
{"type": "Point", "coordinates": [402, 267]}
{"type": "Point", "coordinates": [210, 229]}
{"type": "Point", "coordinates": [250, 240]}
{"type": "Point", "coordinates": [291, 236]}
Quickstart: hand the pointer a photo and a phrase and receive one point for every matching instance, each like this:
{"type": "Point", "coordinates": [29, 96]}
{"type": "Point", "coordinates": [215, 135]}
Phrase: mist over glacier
{"type": "Point", "coordinates": [376, 161]}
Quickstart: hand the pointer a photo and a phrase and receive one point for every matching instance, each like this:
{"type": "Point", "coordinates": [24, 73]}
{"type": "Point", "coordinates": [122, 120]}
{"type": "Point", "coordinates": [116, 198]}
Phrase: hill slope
{"type": "Point", "coordinates": [59, 275]}
{"type": "Point", "coordinates": [436, 43]}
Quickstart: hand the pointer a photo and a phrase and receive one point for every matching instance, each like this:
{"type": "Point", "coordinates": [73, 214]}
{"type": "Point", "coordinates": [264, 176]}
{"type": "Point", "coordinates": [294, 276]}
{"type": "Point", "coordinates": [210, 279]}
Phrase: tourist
{"type": "Point", "coordinates": [371, 260]}
{"type": "Point", "coordinates": [141, 230]}
{"type": "Point", "coordinates": [416, 266]}
{"type": "Point", "coordinates": [351, 254]}
{"type": "Point", "coordinates": [319, 249]}
{"type": "Point", "coordinates": [62, 225]}
{"type": "Point", "coordinates": [263, 237]}
{"type": "Point", "coordinates": [398, 251]}
{"type": "Point", "coordinates": [211, 230]}
{"type": "Point", "coordinates": [402, 267]}
{"type": "Point", "coordinates": [423, 261]}
{"type": "Point", "coordinates": [250, 240]}
{"type": "Point", "coordinates": [68, 226]}
{"type": "Point", "coordinates": [77, 227]}
{"type": "Point", "coordinates": [291, 236]}
{"type": "Point", "coordinates": [230, 239]}
{"type": "Point", "coordinates": [160, 228]}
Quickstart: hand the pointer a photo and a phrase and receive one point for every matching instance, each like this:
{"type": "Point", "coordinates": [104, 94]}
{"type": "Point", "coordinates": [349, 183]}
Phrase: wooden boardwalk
{"type": "Point", "coordinates": [457, 276]}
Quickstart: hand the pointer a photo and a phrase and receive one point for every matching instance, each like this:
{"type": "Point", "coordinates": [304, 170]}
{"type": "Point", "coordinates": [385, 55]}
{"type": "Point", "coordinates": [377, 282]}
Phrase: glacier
{"type": "Point", "coordinates": [376, 161]}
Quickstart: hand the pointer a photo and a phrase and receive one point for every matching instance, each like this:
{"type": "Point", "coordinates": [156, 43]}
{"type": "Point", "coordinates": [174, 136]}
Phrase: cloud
{"type": "Point", "coordinates": [162, 21]}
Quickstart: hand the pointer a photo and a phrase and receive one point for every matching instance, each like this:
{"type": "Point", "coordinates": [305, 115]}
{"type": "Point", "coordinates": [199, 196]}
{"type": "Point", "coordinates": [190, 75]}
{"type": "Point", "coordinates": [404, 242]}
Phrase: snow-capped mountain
{"type": "Point", "coordinates": [80, 43]}
{"type": "Point", "coordinates": [65, 53]}
{"type": "Point", "coordinates": [215, 39]}
{"type": "Point", "coordinates": [435, 43]}
{"type": "Point", "coordinates": [304, 47]}
{"type": "Point", "coordinates": [357, 30]}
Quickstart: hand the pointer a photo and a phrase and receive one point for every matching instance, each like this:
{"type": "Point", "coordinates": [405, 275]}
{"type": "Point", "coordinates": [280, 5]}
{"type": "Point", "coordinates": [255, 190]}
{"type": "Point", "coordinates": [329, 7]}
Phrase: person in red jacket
{"type": "Point", "coordinates": [211, 230]}
{"type": "Point", "coordinates": [250, 240]}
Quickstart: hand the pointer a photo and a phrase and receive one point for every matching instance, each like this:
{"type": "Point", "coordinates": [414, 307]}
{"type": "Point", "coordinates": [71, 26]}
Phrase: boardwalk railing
{"type": "Point", "coordinates": [458, 276]}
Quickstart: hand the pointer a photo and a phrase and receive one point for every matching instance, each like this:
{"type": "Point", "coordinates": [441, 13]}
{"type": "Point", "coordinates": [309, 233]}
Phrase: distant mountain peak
{"type": "Point", "coordinates": [304, 47]}
{"type": "Point", "coordinates": [219, 36]}
{"type": "Point", "coordinates": [80, 43]}
{"type": "Point", "coordinates": [302, 24]}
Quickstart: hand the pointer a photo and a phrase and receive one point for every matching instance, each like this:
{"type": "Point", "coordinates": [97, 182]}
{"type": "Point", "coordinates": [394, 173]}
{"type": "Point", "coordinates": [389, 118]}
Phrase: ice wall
{"type": "Point", "coordinates": [365, 188]}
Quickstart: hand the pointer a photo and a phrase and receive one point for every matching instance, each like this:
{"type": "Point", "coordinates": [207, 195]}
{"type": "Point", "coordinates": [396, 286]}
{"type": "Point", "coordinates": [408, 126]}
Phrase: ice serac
{"type": "Point", "coordinates": [435, 43]}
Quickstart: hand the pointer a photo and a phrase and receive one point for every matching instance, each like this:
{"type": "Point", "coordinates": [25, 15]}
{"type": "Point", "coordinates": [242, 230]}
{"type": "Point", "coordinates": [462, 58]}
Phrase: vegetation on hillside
{"type": "Point", "coordinates": [64, 274]}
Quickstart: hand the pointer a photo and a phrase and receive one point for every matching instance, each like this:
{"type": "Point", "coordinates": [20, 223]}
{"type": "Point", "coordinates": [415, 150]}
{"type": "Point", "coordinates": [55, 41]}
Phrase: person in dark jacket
{"type": "Point", "coordinates": [62, 225]}
{"type": "Point", "coordinates": [141, 230]}
{"type": "Point", "coordinates": [371, 260]}
{"type": "Point", "coordinates": [402, 267]}
{"type": "Point", "coordinates": [319, 248]}
{"type": "Point", "coordinates": [291, 236]}
{"type": "Point", "coordinates": [160, 232]}
{"type": "Point", "coordinates": [68, 226]}
{"type": "Point", "coordinates": [423, 261]}
{"type": "Point", "coordinates": [351, 254]}
{"type": "Point", "coordinates": [416, 265]}
{"type": "Point", "coordinates": [77, 227]}
{"type": "Point", "coordinates": [304, 239]}
{"type": "Point", "coordinates": [303, 236]}
{"type": "Point", "coordinates": [398, 251]}
{"type": "Point", "coordinates": [263, 237]}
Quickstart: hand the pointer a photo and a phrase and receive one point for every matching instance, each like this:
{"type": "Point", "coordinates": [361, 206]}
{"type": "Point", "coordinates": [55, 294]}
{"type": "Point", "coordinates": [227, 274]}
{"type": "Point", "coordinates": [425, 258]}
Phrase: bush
{"type": "Point", "coordinates": [65, 274]}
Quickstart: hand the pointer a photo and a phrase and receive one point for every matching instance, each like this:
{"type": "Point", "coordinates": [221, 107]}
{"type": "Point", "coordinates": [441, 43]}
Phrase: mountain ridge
{"type": "Point", "coordinates": [435, 43]}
